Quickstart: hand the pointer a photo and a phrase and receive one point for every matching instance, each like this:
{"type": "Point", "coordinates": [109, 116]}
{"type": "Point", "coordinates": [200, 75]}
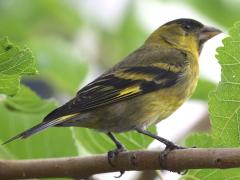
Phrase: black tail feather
{"type": "Point", "coordinates": [33, 130]}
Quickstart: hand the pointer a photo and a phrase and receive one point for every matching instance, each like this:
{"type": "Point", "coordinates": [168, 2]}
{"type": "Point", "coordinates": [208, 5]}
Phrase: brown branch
{"type": "Point", "coordinates": [80, 167]}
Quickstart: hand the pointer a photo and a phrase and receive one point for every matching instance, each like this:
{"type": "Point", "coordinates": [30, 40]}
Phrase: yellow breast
{"type": "Point", "coordinates": [166, 101]}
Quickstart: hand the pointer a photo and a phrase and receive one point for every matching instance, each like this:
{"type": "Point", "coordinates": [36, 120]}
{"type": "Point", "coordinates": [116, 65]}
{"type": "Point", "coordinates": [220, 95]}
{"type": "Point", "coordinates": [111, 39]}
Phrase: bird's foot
{"type": "Point", "coordinates": [114, 153]}
{"type": "Point", "coordinates": [170, 147]}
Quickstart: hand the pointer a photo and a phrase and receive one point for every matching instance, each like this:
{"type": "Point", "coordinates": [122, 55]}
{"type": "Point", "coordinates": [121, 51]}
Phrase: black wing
{"type": "Point", "coordinates": [119, 85]}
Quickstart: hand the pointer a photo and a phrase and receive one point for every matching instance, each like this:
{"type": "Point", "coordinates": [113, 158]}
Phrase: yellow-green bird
{"type": "Point", "coordinates": [144, 88]}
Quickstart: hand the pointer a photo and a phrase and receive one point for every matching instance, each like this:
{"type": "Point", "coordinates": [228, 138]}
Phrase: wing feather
{"type": "Point", "coordinates": [118, 86]}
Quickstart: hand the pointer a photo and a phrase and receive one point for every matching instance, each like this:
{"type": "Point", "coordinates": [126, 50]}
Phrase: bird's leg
{"type": "Point", "coordinates": [115, 152]}
{"type": "Point", "coordinates": [119, 146]}
{"type": "Point", "coordinates": [169, 145]}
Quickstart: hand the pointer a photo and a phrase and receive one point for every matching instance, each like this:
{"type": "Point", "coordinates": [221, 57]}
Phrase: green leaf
{"type": "Point", "coordinates": [28, 102]}
{"type": "Point", "coordinates": [199, 140]}
{"type": "Point", "coordinates": [14, 63]}
{"type": "Point", "coordinates": [224, 109]}
{"type": "Point", "coordinates": [96, 142]}
{"type": "Point", "coordinates": [23, 111]}
{"type": "Point", "coordinates": [224, 102]}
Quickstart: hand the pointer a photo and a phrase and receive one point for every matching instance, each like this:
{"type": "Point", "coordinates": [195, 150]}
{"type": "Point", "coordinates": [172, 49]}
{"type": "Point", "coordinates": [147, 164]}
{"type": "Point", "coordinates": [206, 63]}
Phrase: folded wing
{"type": "Point", "coordinates": [122, 84]}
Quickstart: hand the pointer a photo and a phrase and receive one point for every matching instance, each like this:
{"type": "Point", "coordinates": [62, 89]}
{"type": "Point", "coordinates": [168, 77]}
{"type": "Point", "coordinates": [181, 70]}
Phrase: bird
{"type": "Point", "coordinates": [143, 89]}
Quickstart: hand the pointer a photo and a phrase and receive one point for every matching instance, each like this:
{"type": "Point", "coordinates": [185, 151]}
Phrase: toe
{"type": "Point", "coordinates": [111, 155]}
{"type": "Point", "coordinates": [114, 153]}
{"type": "Point", "coordinates": [121, 173]}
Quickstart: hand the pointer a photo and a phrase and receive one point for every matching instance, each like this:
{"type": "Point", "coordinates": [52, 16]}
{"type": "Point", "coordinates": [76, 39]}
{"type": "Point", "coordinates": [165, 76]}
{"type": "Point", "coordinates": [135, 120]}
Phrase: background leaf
{"type": "Point", "coordinates": [224, 103]}
{"type": "Point", "coordinates": [224, 109]}
{"type": "Point", "coordinates": [199, 140]}
{"type": "Point", "coordinates": [14, 63]}
{"type": "Point", "coordinates": [59, 64]}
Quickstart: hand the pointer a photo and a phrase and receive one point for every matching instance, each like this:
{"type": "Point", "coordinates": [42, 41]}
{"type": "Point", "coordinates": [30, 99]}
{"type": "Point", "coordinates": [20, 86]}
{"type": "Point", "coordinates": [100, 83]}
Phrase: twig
{"type": "Point", "coordinates": [80, 167]}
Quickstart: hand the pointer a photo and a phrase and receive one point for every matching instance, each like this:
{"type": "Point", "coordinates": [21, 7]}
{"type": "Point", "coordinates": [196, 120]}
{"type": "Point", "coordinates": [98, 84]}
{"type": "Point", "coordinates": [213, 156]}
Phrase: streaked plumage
{"type": "Point", "coordinates": [144, 88]}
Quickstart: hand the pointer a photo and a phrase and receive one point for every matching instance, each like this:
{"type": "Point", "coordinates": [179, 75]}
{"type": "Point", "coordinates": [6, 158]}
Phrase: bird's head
{"type": "Point", "coordinates": [186, 34]}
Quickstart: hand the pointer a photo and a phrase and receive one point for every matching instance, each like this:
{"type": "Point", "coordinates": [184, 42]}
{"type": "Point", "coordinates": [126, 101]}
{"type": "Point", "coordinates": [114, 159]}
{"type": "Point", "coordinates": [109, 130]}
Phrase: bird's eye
{"type": "Point", "coordinates": [187, 27]}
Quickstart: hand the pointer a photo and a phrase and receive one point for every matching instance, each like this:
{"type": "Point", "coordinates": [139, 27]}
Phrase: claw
{"type": "Point", "coordinates": [121, 173]}
{"type": "Point", "coordinates": [110, 156]}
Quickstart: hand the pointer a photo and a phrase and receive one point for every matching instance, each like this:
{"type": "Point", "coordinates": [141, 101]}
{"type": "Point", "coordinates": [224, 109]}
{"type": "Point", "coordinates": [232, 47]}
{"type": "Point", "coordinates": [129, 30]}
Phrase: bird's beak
{"type": "Point", "coordinates": [207, 33]}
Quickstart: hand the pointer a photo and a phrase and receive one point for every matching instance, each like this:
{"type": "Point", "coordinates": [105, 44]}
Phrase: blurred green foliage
{"type": "Point", "coordinates": [204, 86]}
{"type": "Point", "coordinates": [225, 13]}
{"type": "Point", "coordinates": [96, 143]}
{"type": "Point", "coordinates": [59, 64]}
{"type": "Point", "coordinates": [129, 36]}
{"type": "Point", "coordinates": [26, 18]}
{"type": "Point", "coordinates": [49, 28]}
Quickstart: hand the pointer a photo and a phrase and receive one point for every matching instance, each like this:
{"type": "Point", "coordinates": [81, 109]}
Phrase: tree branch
{"type": "Point", "coordinates": [81, 167]}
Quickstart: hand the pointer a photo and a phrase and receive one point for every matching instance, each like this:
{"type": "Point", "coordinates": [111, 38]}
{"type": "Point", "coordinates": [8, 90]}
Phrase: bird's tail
{"type": "Point", "coordinates": [34, 130]}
